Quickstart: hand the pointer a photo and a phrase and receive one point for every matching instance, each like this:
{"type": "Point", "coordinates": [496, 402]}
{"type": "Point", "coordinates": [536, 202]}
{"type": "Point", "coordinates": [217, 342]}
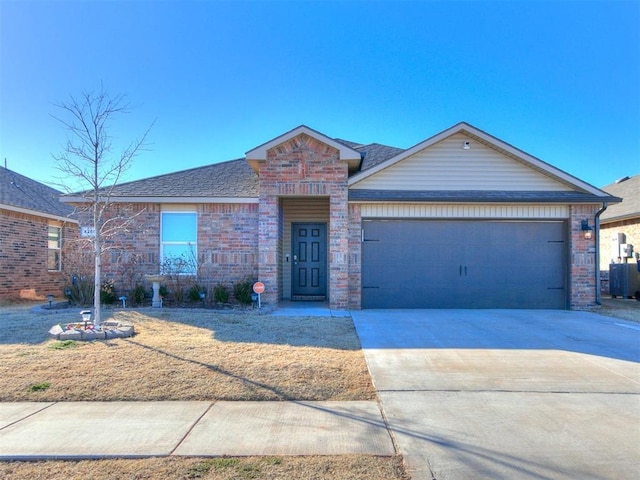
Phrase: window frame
{"type": "Point", "coordinates": [56, 249]}
{"type": "Point", "coordinates": [191, 246]}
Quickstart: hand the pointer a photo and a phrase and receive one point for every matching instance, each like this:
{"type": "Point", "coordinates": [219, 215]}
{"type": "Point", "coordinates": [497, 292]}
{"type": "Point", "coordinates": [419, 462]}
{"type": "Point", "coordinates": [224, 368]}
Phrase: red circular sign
{"type": "Point", "coordinates": [258, 287]}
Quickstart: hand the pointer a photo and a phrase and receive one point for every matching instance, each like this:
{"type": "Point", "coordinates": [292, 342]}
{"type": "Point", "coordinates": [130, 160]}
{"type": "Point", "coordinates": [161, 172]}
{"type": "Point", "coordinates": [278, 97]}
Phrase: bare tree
{"type": "Point", "coordinates": [88, 158]}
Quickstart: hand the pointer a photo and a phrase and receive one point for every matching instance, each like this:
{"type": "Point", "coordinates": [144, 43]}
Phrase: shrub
{"type": "Point", "coordinates": [108, 293]}
{"type": "Point", "coordinates": [194, 293]}
{"type": "Point", "coordinates": [138, 294]}
{"type": "Point", "coordinates": [220, 294]}
{"type": "Point", "coordinates": [80, 291]}
{"type": "Point", "coordinates": [164, 291]}
{"type": "Point", "coordinates": [242, 291]}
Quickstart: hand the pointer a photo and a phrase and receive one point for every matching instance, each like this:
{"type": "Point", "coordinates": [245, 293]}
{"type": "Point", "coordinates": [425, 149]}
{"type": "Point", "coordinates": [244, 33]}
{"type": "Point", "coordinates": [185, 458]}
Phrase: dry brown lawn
{"type": "Point", "coordinates": [189, 354]}
{"type": "Point", "coordinates": [345, 467]}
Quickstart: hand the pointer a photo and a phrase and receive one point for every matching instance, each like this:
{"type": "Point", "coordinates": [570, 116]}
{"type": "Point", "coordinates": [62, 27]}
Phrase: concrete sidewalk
{"type": "Point", "coordinates": [89, 430]}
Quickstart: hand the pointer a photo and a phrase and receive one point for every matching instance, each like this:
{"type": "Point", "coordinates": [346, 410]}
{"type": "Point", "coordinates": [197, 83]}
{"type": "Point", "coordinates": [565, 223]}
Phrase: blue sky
{"type": "Point", "coordinates": [557, 79]}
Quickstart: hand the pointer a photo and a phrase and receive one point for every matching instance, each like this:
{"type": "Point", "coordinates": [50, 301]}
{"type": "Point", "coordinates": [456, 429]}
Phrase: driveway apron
{"type": "Point", "coordinates": [503, 394]}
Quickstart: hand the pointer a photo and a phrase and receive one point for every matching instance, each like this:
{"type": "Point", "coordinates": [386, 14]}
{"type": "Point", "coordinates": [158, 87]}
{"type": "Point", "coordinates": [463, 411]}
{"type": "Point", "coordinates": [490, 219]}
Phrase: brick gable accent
{"type": "Point", "coordinates": [303, 166]}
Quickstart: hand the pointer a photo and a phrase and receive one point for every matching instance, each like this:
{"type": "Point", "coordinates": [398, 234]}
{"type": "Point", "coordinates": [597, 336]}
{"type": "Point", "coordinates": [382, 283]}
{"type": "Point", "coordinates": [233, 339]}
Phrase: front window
{"type": "Point", "coordinates": [178, 243]}
{"type": "Point", "coordinates": [54, 243]}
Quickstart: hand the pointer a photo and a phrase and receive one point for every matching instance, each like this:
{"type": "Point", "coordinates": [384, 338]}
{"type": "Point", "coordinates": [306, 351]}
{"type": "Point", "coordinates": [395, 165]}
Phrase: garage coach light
{"type": "Point", "coordinates": [586, 229]}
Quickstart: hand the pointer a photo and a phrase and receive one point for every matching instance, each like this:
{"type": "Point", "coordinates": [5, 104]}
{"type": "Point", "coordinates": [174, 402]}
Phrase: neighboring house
{"type": "Point", "coordinates": [460, 220]}
{"type": "Point", "coordinates": [33, 226]}
{"type": "Point", "coordinates": [620, 227]}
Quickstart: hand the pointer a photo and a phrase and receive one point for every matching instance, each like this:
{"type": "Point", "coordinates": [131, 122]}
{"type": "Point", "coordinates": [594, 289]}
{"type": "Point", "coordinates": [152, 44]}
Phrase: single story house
{"type": "Point", "coordinates": [460, 220]}
{"type": "Point", "coordinates": [620, 227]}
{"type": "Point", "coordinates": [33, 226]}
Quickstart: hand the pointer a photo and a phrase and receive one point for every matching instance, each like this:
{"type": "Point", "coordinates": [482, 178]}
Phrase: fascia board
{"type": "Point", "coordinates": [166, 200]}
{"type": "Point", "coordinates": [36, 213]}
{"type": "Point", "coordinates": [260, 153]}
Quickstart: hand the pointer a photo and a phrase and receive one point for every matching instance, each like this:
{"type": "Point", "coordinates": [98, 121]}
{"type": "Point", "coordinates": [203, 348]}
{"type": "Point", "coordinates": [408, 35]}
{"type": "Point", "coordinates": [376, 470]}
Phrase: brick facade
{"type": "Point", "coordinates": [355, 257]}
{"type": "Point", "coordinates": [247, 239]}
{"type": "Point", "coordinates": [227, 244]}
{"type": "Point", "coordinates": [23, 256]}
{"type": "Point", "coordinates": [582, 265]}
{"type": "Point", "coordinates": [303, 167]}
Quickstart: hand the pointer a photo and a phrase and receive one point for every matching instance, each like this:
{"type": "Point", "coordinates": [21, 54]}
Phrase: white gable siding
{"type": "Point", "coordinates": [447, 166]}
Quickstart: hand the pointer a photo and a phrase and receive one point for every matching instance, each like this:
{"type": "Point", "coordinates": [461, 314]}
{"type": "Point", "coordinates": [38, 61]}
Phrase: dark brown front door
{"type": "Point", "coordinates": [309, 274]}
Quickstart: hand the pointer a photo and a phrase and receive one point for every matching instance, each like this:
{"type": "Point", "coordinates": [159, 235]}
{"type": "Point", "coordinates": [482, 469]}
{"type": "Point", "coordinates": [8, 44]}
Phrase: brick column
{"type": "Point", "coordinates": [268, 238]}
{"type": "Point", "coordinates": [582, 261]}
{"type": "Point", "coordinates": [355, 257]}
{"type": "Point", "coordinates": [339, 250]}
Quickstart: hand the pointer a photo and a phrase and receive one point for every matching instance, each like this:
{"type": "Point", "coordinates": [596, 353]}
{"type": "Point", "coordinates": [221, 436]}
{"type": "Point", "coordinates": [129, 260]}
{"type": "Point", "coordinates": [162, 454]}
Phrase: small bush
{"type": "Point", "coordinates": [138, 295]}
{"type": "Point", "coordinates": [194, 293]}
{"type": "Point", "coordinates": [163, 291]}
{"type": "Point", "coordinates": [80, 292]}
{"type": "Point", "coordinates": [108, 293]}
{"type": "Point", "coordinates": [220, 294]}
{"type": "Point", "coordinates": [242, 291]}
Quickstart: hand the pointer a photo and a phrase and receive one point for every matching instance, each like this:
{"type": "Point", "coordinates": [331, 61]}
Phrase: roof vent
{"type": "Point", "coordinates": [620, 180]}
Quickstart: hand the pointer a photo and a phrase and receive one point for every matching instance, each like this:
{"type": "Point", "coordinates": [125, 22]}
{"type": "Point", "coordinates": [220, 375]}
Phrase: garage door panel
{"type": "Point", "coordinates": [463, 264]}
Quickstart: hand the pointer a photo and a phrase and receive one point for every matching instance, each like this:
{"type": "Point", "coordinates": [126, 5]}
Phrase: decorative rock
{"type": "Point", "coordinates": [108, 330]}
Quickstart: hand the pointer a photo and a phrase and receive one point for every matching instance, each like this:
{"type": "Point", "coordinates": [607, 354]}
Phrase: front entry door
{"type": "Point", "coordinates": [309, 269]}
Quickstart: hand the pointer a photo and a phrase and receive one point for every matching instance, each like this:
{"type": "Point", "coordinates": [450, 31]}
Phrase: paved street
{"type": "Point", "coordinates": [504, 394]}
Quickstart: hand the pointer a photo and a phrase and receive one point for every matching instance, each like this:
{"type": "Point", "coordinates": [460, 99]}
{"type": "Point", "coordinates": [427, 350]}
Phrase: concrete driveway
{"type": "Point", "coordinates": [505, 394]}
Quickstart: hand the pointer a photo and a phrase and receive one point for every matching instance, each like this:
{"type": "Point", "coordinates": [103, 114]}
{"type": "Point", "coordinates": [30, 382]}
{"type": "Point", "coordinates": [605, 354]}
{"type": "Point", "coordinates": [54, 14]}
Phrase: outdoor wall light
{"type": "Point", "coordinates": [586, 229]}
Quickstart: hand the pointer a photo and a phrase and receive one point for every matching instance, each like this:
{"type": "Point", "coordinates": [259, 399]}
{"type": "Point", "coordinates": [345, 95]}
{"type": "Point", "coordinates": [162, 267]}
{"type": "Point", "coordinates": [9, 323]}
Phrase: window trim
{"type": "Point", "coordinates": [57, 249]}
{"type": "Point", "coordinates": [191, 245]}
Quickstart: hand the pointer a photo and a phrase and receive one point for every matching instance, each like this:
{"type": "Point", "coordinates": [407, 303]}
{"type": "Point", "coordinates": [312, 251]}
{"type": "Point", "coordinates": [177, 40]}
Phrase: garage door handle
{"type": "Point", "coordinates": [465, 270]}
{"type": "Point", "coordinates": [460, 271]}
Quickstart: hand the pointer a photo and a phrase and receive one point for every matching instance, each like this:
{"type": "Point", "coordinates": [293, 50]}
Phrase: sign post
{"type": "Point", "coordinates": [258, 288]}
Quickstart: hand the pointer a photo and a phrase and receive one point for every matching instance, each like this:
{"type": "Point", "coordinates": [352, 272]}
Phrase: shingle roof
{"type": "Point", "coordinates": [373, 153]}
{"type": "Point", "coordinates": [629, 190]}
{"type": "Point", "coordinates": [22, 192]}
{"type": "Point", "coordinates": [231, 179]}
{"type": "Point", "coordinates": [237, 179]}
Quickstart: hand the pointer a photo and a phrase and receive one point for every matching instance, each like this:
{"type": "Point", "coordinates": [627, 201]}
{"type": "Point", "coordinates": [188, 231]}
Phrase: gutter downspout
{"type": "Point", "coordinates": [597, 229]}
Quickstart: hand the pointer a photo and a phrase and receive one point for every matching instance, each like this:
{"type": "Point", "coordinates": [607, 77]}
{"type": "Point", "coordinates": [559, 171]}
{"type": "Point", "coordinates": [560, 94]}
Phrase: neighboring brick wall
{"type": "Point", "coordinates": [631, 229]}
{"type": "Point", "coordinates": [582, 279]}
{"type": "Point", "coordinates": [23, 256]}
{"type": "Point", "coordinates": [304, 166]}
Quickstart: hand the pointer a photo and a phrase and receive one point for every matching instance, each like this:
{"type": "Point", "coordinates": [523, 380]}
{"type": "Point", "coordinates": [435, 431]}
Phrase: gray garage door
{"type": "Point", "coordinates": [464, 264]}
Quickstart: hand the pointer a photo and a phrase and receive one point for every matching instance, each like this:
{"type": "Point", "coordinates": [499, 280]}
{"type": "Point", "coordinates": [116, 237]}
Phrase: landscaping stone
{"type": "Point", "coordinates": [106, 331]}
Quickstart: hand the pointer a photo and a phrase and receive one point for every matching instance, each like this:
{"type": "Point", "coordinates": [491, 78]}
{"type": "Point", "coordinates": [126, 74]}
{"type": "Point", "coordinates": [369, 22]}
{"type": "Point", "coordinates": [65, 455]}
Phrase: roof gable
{"type": "Point", "coordinates": [446, 162]}
{"type": "Point", "coordinates": [346, 153]}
